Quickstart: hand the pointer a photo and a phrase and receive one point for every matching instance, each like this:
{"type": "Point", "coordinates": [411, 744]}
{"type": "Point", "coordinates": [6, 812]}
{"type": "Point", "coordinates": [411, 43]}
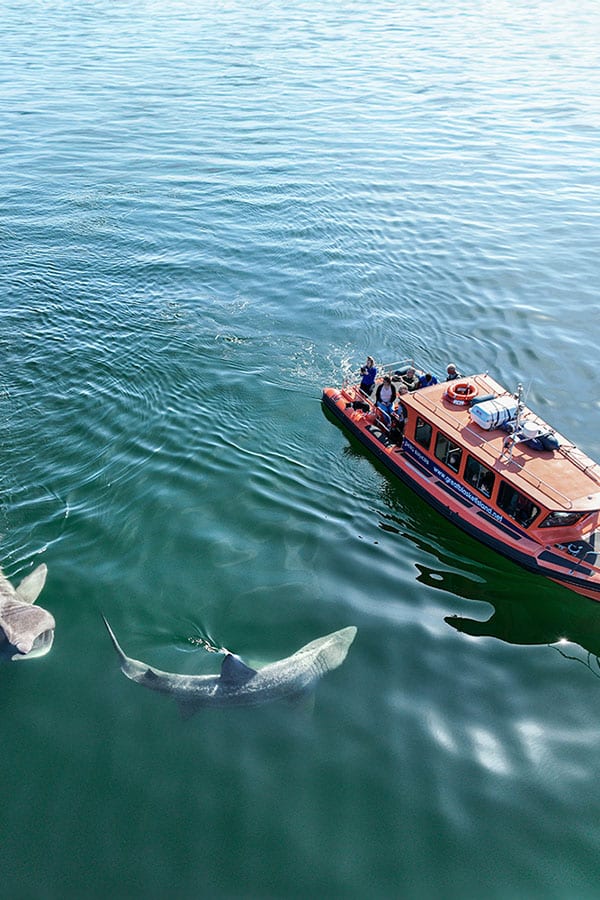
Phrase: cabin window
{"type": "Point", "coordinates": [559, 519]}
{"type": "Point", "coordinates": [516, 505]}
{"type": "Point", "coordinates": [448, 452]}
{"type": "Point", "coordinates": [423, 433]}
{"type": "Point", "coordinates": [479, 477]}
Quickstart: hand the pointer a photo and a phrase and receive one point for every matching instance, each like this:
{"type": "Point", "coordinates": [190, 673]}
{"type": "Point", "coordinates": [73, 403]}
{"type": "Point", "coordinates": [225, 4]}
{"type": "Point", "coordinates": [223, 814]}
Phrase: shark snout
{"type": "Point", "coordinates": [36, 647]}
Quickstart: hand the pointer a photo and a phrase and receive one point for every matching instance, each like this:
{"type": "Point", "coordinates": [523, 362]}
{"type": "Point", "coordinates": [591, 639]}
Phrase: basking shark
{"type": "Point", "coordinates": [26, 631]}
{"type": "Point", "coordinates": [238, 684]}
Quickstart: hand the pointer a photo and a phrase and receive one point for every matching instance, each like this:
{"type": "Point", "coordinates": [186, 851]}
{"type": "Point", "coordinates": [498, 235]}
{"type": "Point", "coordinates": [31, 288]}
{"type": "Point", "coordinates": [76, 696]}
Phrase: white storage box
{"type": "Point", "coordinates": [493, 413]}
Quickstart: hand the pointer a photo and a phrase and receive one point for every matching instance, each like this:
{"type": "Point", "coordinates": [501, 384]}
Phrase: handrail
{"type": "Point", "coordinates": [389, 368]}
{"type": "Point", "coordinates": [567, 450]}
{"type": "Point", "coordinates": [541, 484]}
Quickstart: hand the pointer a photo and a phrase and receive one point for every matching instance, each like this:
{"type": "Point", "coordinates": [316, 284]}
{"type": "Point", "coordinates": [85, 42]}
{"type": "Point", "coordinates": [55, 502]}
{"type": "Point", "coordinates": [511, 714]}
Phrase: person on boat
{"type": "Point", "coordinates": [427, 380]}
{"type": "Point", "coordinates": [369, 374]}
{"type": "Point", "coordinates": [385, 396]}
{"type": "Point", "coordinates": [411, 379]}
{"type": "Point", "coordinates": [398, 416]}
{"type": "Point", "coordinates": [452, 372]}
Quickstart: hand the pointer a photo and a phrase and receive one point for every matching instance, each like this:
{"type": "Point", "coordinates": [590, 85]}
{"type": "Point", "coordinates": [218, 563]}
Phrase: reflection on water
{"type": "Point", "coordinates": [528, 609]}
{"type": "Point", "coordinates": [543, 615]}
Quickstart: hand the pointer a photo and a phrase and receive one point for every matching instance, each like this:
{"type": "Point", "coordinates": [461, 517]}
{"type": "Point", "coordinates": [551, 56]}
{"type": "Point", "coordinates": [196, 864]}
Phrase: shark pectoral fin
{"type": "Point", "coordinates": [31, 586]}
{"type": "Point", "coordinates": [234, 671]}
{"type": "Point", "coordinates": [303, 703]}
{"type": "Point", "coordinates": [186, 709]}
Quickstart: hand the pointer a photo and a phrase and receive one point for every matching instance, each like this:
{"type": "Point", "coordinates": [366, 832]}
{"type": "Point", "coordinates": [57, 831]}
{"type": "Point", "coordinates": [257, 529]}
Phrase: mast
{"type": "Point", "coordinates": [511, 439]}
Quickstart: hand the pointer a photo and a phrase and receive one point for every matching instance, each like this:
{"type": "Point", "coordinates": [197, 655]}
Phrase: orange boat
{"type": "Point", "coordinates": [479, 456]}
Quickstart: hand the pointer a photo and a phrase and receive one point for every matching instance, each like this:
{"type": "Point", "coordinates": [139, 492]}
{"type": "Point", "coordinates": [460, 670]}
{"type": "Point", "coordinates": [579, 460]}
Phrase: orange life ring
{"type": "Point", "coordinates": [460, 393]}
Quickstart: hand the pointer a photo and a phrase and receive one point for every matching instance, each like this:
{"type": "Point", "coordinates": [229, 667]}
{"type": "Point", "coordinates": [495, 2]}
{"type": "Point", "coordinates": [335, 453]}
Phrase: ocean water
{"type": "Point", "coordinates": [209, 212]}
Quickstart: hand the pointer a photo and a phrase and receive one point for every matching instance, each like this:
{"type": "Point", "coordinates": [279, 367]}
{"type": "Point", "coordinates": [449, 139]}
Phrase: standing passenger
{"type": "Point", "coordinates": [369, 374]}
{"type": "Point", "coordinates": [452, 372]}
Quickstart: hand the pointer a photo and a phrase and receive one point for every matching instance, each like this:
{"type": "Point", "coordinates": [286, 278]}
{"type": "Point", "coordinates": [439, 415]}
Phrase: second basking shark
{"type": "Point", "coordinates": [26, 631]}
{"type": "Point", "coordinates": [238, 684]}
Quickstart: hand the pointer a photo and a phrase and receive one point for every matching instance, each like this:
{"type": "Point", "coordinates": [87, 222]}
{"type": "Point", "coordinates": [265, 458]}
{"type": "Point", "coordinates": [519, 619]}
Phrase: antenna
{"type": "Point", "coordinates": [520, 406]}
{"type": "Point", "coordinates": [510, 441]}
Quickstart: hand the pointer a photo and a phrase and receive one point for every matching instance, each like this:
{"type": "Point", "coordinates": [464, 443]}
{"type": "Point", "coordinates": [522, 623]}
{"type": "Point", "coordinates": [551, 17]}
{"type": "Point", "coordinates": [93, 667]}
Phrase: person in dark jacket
{"type": "Point", "coordinates": [411, 379]}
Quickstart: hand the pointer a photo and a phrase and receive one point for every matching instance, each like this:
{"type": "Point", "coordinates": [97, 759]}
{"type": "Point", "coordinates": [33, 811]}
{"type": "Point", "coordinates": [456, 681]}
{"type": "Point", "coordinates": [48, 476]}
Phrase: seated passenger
{"type": "Point", "coordinates": [452, 372]}
{"type": "Point", "coordinates": [369, 374]}
{"type": "Point", "coordinates": [427, 380]}
{"type": "Point", "coordinates": [411, 379]}
{"type": "Point", "coordinates": [486, 484]}
{"type": "Point", "coordinates": [384, 398]}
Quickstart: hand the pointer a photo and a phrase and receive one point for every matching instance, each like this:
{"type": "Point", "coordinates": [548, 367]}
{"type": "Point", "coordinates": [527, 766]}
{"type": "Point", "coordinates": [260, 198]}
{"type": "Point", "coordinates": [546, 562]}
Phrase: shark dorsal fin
{"type": "Point", "coordinates": [234, 671]}
{"type": "Point", "coordinates": [31, 586]}
{"type": "Point", "coordinates": [151, 675]}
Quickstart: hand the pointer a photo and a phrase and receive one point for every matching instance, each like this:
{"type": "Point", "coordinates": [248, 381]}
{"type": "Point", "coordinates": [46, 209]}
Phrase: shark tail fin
{"type": "Point", "coordinates": [116, 645]}
{"type": "Point", "coordinates": [31, 586]}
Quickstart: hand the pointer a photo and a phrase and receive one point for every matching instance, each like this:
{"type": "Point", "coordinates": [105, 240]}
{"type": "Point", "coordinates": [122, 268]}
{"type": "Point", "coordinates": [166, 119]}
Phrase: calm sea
{"type": "Point", "coordinates": [208, 212]}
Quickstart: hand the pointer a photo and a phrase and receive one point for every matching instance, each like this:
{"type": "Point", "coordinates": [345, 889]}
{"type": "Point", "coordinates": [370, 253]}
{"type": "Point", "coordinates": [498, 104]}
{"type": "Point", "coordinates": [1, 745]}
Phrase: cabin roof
{"type": "Point", "coordinates": [564, 479]}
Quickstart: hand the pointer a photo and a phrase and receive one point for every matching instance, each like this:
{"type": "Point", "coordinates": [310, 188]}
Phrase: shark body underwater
{"type": "Point", "coordinates": [289, 679]}
{"type": "Point", "coordinates": [26, 631]}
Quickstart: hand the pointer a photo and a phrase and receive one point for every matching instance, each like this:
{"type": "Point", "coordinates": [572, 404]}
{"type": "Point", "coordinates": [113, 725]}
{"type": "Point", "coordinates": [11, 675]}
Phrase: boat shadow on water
{"type": "Point", "coordinates": [527, 608]}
